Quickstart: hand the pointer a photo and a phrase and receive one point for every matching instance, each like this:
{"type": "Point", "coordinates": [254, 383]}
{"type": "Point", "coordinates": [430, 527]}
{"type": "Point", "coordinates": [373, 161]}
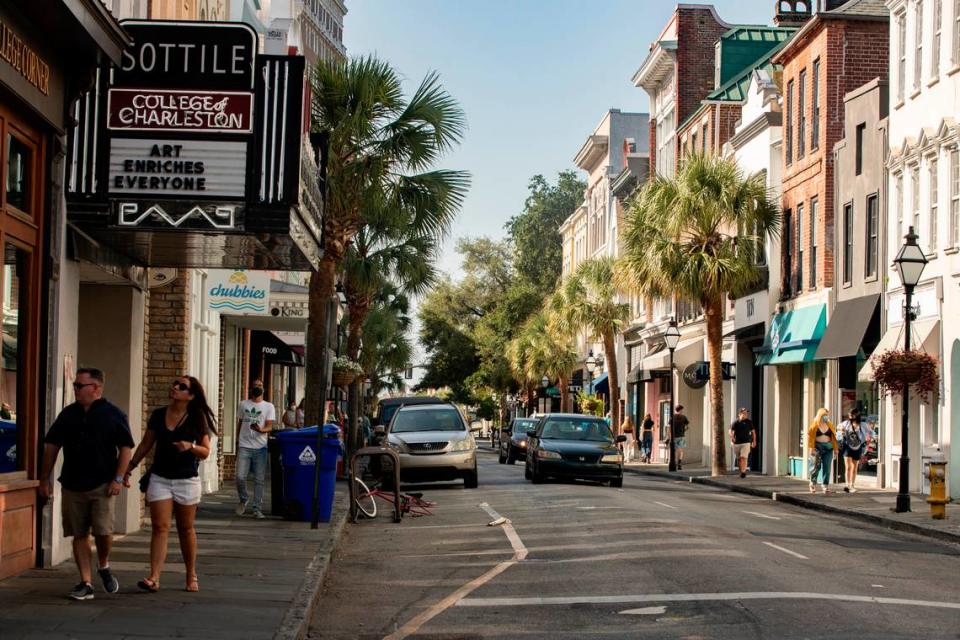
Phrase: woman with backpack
{"type": "Point", "coordinates": [853, 437]}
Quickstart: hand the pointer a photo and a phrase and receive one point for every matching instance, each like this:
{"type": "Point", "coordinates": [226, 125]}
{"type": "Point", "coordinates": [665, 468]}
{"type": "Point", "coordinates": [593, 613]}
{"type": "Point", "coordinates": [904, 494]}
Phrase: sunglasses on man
{"type": "Point", "coordinates": [80, 385]}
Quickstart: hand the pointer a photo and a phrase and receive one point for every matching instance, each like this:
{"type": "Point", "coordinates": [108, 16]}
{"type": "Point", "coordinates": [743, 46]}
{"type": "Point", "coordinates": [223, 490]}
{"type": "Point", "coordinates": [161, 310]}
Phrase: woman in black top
{"type": "Point", "coordinates": [181, 432]}
{"type": "Point", "coordinates": [646, 441]}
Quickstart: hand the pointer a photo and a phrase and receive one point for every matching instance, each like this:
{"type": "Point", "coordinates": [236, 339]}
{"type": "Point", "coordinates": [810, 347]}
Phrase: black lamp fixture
{"type": "Point", "coordinates": [910, 262]}
{"type": "Point", "coordinates": [544, 381]}
{"type": "Point", "coordinates": [591, 363]}
{"type": "Point", "coordinates": [672, 337]}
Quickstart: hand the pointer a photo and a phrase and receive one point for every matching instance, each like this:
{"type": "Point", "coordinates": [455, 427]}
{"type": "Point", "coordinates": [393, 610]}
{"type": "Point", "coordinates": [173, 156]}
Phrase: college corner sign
{"type": "Point", "coordinates": [238, 292]}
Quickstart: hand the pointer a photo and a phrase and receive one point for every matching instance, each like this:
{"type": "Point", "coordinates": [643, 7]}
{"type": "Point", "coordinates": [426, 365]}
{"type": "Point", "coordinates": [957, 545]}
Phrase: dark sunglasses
{"type": "Point", "coordinates": [180, 386]}
{"type": "Point", "coordinates": [80, 385]}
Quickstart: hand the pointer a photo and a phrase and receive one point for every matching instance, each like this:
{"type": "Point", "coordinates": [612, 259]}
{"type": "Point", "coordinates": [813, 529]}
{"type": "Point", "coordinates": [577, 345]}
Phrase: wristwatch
{"type": "Point", "coordinates": [118, 479]}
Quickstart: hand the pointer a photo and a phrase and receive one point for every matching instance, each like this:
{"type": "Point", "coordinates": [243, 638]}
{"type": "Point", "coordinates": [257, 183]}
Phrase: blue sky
{"type": "Point", "coordinates": [534, 78]}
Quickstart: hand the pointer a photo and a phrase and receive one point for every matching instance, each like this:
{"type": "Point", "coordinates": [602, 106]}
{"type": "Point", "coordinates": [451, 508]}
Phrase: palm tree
{"type": "Point", "coordinates": [387, 350]}
{"type": "Point", "coordinates": [591, 301]}
{"type": "Point", "coordinates": [544, 349]}
{"type": "Point", "coordinates": [698, 236]}
{"type": "Point", "coordinates": [381, 148]}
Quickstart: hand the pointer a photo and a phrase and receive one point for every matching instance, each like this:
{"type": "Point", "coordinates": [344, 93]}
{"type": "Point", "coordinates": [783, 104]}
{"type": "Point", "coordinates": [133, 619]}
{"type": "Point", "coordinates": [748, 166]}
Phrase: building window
{"type": "Point", "coordinates": [918, 44]}
{"type": "Point", "coordinates": [789, 127]}
{"type": "Point", "coordinates": [861, 128]}
{"type": "Point", "coordinates": [932, 230]}
{"type": "Point", "coordinates": [815, 125]}
{"type": "Point", "coordinates": [873, 236]}
{"type": "Point", "coordinates": [813, 242]}
{"type": "Point", "coordinates": [801, 113]}
{"type": "Point", "coordinates": [787, 250]}
{"type": "Point", "coordinates": [915, 198]}
{"type": "Point", "coordinates": [848, 243]}
{"type": "Point", "coordinates": [693, 143]}
{"type": "Point", "coordinates": [703, 139]}
{"type": "Point", "coordinates": [954, 198]}
{"type": "Point", "coordinates": [937, 29]}
{"type": "Point", "coordinates": [898, 201]}
{"type": "Point", "coordinates": [799, 248]}
{"type": "Point", "coordinates": [902, 57]}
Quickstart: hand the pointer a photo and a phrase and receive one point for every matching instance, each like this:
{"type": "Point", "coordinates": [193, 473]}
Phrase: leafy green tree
{"type": "Point", "coordinates": [543, 348]}
{"type": "Point", "coordinates": [534, 232]}
{"type": "Point", "coordinates": [590, 300]}
{"type": "Point", "coordinates": [697, 236]}
{"type": "Point", "coordinates": [381, 150]}
{"type": "Point", "coordinates": [386, 350]}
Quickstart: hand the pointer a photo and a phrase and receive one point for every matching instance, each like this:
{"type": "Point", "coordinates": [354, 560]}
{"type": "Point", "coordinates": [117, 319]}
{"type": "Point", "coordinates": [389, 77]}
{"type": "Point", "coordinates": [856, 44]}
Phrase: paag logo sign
{"type": "Point", "coordinates": [239, 292]}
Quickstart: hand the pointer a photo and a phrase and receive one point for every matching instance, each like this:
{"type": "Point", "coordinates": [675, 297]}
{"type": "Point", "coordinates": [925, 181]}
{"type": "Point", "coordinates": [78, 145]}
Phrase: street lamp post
{"type": "Point", "coordinates": [910, 263]}
{"type": "Point", "coordinates": [591, 367]}
{"type": "Point", "coordinates": [672, 337]}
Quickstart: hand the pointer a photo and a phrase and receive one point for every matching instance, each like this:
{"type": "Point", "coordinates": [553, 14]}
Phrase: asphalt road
{"type": "Point", "coordinates": [656, 559]}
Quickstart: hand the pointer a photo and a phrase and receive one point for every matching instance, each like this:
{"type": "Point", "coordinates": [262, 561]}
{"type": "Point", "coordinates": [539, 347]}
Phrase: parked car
{"type": "Point", "coordinates": [513, 440]}
{"type": "Point", "coordinates": [567, 445]}
{"type": "Point", "coordinates": [434, 443]}
{"type": "Point", "coordinates": [386, 407]}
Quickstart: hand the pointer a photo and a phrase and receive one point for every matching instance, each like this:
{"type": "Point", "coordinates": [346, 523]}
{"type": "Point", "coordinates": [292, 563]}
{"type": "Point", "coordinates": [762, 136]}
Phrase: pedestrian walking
{"type": "Point", "coordinates": [822, 444]}
{"type": "Point", "coordinates": [678, 431]}
{"type": "Point", "coordinates": [181, 433]}
{"type": "Point", "coordinates": [96, 442]}
{"type": "Point", "coordinates": [289, 419]}
{"type": "Point", "coordinates": [646, 441]}
{"type": "Point", "coordinates": [630, 445]}
{"type": "Point", "coordinates": [254, 424]}
{"type": "Point", "coordinates": [852, 437]}
{"type": "Point", "coordinates": [744, 439]}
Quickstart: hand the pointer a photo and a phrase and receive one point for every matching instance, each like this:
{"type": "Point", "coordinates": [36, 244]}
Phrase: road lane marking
{"type": "Point", "coordinates": [645, 611]}
{"type": "Point", "coordinates": [519, 553]}
{"type": "Point", "coordinates": [699, 597]}
{"type": "Point", "coordinates": [563, 547]}
{"type": "Point", "coordinates": [763, 515]}
{"type": "Point", "coordinates": [787, 551]}
{"type": "Point", "coordinates": [664, 504]}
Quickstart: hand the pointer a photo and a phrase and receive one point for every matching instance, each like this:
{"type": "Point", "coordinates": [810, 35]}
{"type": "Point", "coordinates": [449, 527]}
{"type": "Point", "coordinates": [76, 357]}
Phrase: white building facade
{"type": "Point", "coordinates": [924, 188]}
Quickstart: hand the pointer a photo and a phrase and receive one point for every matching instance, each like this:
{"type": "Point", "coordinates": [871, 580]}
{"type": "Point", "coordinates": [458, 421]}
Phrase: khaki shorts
{"type": "Point", "coordinates": [83, 510]}
{"type": "Point", "coordinates": [742, 450]}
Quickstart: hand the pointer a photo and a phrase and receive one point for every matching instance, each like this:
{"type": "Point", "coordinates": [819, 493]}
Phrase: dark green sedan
{"type": "Point", "coordinates": [570, 445]}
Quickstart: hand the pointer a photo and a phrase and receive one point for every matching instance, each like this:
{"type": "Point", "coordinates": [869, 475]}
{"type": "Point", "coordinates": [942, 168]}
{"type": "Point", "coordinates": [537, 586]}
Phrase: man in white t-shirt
{"type": "Point", "coordinates": [255, 418]}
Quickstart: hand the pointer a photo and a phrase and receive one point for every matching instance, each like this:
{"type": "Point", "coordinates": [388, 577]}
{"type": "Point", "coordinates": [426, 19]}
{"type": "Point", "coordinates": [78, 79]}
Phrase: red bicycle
{"type": "Point", "coordinates": [412, 504]}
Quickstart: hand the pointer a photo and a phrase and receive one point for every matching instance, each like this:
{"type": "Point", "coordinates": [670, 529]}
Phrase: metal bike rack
{"type": "Point", "coordinates": [374, 452]}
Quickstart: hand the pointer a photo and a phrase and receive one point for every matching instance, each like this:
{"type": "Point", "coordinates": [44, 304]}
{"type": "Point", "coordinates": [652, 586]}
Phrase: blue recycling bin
{"type": "Point", "coordinates": [8, 446]}
{"type": "Point", "coordinates": [298, 457]}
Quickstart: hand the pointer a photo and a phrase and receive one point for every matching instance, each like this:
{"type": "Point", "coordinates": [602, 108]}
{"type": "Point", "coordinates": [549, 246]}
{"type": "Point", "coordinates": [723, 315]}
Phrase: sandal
{"type": "Point", "coordinates": [149, 585]}
{"type": "Point", "coordinates": [193, 585]}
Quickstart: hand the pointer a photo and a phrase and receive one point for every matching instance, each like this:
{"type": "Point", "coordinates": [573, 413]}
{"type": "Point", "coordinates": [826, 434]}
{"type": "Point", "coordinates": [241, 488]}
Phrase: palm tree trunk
{"type": "Point", "coordinates": [321, 291]}
{"type": "Point", "coordinates": [359, 308]}
{"type": "Point", "coordinates": [564, 396]}
{"type": "Point", "coordinates": [714, 313]}
{"type": "Point", "coordinates": [613, 381]}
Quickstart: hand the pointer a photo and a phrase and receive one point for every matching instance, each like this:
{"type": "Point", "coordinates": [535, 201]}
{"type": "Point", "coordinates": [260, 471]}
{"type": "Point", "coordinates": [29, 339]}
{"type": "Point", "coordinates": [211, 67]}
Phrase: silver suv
{"type": "Point", "coordinates": [433, 443]}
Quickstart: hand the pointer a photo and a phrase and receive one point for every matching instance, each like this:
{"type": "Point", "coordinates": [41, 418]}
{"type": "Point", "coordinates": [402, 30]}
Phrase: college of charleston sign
{"type": "Point", "coordinates": [196, 132]}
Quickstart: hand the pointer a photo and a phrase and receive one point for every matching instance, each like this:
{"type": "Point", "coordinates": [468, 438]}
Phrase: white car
{"type": "Point", "coordinates": [434, 443]}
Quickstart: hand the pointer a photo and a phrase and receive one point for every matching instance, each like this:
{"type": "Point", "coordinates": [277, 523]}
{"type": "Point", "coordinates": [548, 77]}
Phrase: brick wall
{"type": "Point", "coordinates": [697, 33]}
{"type": "Point", "coordinates": [851, 53]}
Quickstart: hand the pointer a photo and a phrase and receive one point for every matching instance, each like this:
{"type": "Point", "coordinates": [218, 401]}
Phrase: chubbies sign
{"type": "Point", "coordinates": [239, 292]}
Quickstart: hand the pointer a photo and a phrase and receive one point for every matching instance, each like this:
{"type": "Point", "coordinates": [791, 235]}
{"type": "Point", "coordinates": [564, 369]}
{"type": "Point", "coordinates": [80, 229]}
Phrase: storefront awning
{"type": "Point", "coordinates": [686, 353]}
{"type": "Point", "coordinates": [847, 328]}
{"type": "Point", "coordinates": [600, 384]}
{"type": "Point", "coordinates": [274, 350]}
{"type": "Point", "coordinates": [794, 336]}
{"type": "Point", "coordinates": [925, 336]}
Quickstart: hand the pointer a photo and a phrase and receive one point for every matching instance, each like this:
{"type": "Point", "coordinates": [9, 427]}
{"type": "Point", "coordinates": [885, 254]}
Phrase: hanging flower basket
{"type": "Point", "coordinates": [342, 378]}
{"type": "Point", "coordinates": [894, 370]}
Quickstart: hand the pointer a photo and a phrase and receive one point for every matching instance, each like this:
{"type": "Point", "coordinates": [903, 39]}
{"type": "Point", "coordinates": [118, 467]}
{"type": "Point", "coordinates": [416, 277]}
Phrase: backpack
{"type": "Point", "coordinates": [852, 439]}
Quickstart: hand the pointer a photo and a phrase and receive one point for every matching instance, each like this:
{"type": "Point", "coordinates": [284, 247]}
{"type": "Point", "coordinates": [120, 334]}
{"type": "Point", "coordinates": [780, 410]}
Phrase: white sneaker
{"type": "Point", "coordinates": [853, 489]}
{"type": "Point", "coordinates": [827, 490]}
{"type": "Point", "coordinates": [258, 514]}
{"type": "Point", "coordinates": [241, 508]}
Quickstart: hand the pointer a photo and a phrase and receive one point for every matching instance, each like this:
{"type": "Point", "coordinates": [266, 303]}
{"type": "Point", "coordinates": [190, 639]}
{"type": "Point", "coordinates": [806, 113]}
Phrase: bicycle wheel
{"type": "Point", "coordinates": [364, 499]}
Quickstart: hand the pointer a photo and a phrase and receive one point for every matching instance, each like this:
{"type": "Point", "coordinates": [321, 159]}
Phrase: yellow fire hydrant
{"type": "Point", "coordinates": [937, 473]}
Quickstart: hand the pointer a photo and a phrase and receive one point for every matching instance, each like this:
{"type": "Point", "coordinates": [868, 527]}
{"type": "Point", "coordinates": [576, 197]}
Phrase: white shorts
{"type": "Point", "coordinates": [742, 450]}
{"type": "Point", "coordinates": [185, 491]}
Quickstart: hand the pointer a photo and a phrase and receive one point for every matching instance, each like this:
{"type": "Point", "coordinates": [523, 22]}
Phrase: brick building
{"type": "Point", "coordinates": [841, 48]}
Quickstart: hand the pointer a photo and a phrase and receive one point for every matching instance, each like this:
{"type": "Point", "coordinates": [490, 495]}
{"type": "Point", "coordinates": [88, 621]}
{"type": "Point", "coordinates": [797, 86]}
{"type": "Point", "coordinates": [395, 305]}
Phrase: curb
{"type": "Point", "coordinates": [296, 620]}
{"type": "Point", "coordinates": [888, 523]}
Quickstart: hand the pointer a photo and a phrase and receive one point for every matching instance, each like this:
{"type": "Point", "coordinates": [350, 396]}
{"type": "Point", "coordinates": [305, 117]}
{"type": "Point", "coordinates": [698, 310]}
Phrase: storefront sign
{"type": "Point", "coordinates": [185, 55]}
{"type": "Point", "coordinates": [692, 376]}
{"type": "Point", "coordinates": [180, 111]}
{"type": "Point", "coordinates": [177, 168]}
{"type": "Point", "coordinates": [239, 292]}
{"type": "Point", "coordinates": [24, 60]}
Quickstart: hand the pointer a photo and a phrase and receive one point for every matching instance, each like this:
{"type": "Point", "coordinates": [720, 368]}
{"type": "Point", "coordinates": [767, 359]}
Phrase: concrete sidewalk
{"type": "Point", "coordinates": [258, 579]}
{"type": "Point", "coordinates": [869, 505]}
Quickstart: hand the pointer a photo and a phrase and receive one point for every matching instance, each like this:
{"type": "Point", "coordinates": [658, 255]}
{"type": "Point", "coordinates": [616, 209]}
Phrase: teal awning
{"type": "Point", "coordinates": [793, 336]}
